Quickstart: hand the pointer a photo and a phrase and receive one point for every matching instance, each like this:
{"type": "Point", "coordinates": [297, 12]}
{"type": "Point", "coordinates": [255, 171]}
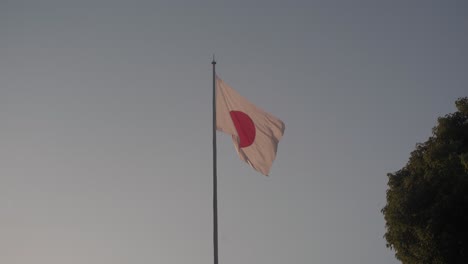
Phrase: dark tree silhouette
{"type": "Point", "coordinates": [427, 200]}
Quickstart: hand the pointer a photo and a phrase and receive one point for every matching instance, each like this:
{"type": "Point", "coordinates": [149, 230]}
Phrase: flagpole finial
{"type": "Point", "coordinates": [213, 62]}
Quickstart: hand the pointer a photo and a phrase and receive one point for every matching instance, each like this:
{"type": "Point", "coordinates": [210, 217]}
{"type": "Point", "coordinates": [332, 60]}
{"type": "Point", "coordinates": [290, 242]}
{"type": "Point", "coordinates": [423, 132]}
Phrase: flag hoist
{"type": "Point", "coordinates": [255, 134]}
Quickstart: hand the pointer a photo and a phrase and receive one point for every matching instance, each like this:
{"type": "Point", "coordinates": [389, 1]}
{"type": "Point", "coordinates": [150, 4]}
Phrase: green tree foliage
{"type": "Point", "coordinates": [427, 201]}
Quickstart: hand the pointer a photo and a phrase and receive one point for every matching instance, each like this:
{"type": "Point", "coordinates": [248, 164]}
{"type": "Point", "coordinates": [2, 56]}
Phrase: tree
{"type": "Point", "coordinates": [427, 200]}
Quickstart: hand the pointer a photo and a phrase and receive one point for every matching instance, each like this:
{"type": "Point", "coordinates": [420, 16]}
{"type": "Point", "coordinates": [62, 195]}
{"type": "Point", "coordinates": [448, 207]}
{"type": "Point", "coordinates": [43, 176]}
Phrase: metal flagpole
{"type": "Point", "coordinates": [215, 182]}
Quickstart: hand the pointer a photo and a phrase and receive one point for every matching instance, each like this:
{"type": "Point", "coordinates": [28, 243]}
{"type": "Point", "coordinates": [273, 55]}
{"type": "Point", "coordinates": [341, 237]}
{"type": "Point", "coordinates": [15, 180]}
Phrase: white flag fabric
{"type": "Point", "coordinates": [255, 133]}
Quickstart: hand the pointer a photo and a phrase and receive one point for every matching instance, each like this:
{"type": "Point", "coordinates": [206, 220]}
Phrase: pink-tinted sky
{"type": "Point", "coordinates": [105, 125]}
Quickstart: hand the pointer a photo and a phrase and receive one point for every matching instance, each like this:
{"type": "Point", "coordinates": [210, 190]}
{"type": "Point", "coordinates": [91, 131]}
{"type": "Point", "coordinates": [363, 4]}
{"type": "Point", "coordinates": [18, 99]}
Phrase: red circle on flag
{"type": "Point", "coordinates": [245, 128]}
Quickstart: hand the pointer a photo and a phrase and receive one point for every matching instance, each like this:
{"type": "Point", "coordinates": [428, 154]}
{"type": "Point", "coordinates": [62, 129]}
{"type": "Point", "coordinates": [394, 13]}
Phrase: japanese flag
{"type": "Point", "coordinates": [255, 133]}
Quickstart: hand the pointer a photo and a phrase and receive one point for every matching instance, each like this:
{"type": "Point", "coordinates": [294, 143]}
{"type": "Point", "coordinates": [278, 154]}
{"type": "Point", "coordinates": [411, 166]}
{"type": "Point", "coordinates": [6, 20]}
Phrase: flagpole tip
{"type": "Point", "coordinates": [213, 62]}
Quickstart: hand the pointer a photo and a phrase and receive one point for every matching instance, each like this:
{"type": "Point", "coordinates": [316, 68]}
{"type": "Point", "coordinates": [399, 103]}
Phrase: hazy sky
{"type": "Point", "coordinates": [105, 125]}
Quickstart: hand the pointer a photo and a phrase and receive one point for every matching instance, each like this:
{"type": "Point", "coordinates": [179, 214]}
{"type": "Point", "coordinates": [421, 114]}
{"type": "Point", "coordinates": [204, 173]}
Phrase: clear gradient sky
{"type": "Point", "coordinates": [105, 125]}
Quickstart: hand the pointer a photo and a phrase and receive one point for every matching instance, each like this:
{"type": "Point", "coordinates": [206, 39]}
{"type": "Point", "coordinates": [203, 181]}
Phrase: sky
{"type": "Point", "coordinates": [105, 125]}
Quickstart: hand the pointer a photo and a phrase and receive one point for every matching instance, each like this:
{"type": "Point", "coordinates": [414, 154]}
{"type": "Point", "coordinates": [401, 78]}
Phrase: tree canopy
{"type": "Point", "coordinates": [427, 200]}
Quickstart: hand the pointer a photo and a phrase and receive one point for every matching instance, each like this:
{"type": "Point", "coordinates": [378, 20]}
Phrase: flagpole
{"type": "Point", "coordinates": [215, 182]}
